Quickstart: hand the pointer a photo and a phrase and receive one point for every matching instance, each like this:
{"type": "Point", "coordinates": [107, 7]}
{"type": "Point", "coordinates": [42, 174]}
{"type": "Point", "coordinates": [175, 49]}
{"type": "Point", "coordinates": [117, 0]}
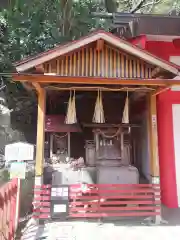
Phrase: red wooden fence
{"type": "Point", "coordinates": [105, 200]}
{"type": "Point", "coordinates": [115, 200]}
{"type": "Point", "coordinates": [8, 214]}
{"type": "Point", "coordinates": [42, 196]}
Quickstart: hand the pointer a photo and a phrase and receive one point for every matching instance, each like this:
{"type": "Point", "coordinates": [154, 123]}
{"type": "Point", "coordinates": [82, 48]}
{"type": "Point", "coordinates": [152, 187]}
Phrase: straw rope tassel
{"type": "Point", "coordinates": [125, 118]}
{"type": "Point", "coordinates": [74, 118]}
{"type": "Point", "coordinates": [69, 107]}
{"type": "Point", "coordinates": [71, 110]}
{"type": "Point", "coordinates": [99, 111]}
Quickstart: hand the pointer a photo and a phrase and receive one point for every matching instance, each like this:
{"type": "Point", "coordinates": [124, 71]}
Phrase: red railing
{"type": "Point", "coordinates": [8, 210]}
{"type": "Point", "coordinates": [116, 200]}
{"type": "Point", "coordinates": [98, 201]}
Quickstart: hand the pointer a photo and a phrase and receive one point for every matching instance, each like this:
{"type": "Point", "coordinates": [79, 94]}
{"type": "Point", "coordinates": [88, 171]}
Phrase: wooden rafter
{"type": "Point", "coordinates": [105, 61]}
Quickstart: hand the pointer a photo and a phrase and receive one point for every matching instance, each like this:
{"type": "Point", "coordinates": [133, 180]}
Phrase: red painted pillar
{"type": "Point", "coordinates": [167, 159]}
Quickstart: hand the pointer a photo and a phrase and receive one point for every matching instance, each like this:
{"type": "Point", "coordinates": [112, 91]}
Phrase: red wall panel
{"type": "Point", "coordinates": [165, 100]}
{"type": "Point", "coordinates": [162, 49]}
{"type": "Point", "coordinates": [166, 147]}
{"type": "Point", "coordinates": [139, 41]}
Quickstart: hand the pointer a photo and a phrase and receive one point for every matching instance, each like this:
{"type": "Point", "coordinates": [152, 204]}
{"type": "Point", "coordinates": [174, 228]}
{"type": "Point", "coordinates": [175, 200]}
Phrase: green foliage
{"type": "Point", "coordinates": [144, 6]}
{"type": "Point", "coordinates": [30, 27]}
{"type": "Point", "coordinates": [4, 177]}
{"type": "Point", "coordinates": [35, 26]}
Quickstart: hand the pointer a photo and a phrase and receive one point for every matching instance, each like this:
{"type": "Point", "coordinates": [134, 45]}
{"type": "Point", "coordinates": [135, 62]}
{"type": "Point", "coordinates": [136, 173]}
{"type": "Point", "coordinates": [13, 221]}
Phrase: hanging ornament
{"type": "Point", "coordinates": [99, 111]}
{"type": "Point", "coordinates": [125, 118]}
{"type": "Point", "coordinates": [71, 110]}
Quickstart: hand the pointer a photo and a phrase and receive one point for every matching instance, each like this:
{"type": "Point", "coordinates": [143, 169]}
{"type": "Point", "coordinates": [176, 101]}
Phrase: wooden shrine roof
{"type": "Point", "coordinates": [27, 64]}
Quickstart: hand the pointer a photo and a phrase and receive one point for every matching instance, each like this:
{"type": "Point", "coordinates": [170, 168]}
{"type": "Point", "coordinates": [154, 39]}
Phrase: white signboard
{"type": "Point", "coordinates": [60, 208]}
{"type": "Point", "coordinates": [59, 192]}
{"type": "Point", "coordinates": [18, 170]}
{"type": "Point", "coordinates": [19, 151]}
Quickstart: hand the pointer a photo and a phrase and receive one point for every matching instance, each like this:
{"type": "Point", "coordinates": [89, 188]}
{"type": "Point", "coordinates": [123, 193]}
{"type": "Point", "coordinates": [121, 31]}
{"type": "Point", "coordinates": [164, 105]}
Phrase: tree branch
{"type": "Point", "coordinates": [137, 6]}
{"type": "Point", "coordinates": [66, 6]}
{"type": "Point", "coordinates": [151, 3]}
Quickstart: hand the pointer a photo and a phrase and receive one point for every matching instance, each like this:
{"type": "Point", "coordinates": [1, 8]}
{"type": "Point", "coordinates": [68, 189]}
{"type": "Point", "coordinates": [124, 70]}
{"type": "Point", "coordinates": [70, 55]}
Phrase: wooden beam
{"type": "Point", "coordinates": [27, 86]}
{"type": "Point", "coordinates": [40, 129]}
{"type": "Point", "coordinates": [37, 86]}
{"type": "Point", "coordinates": [93, 80]}
{"type": "Point", "coordinates": [100, 45]}
{"type": "Point", "coordinates": [108, 125]}
{"type": "Point", "coordinates": [160, 90]}
{"type": "Point", "coordinates": [153, 137]}
{"type": "Point", "coordinates": [155, 71]}
{"type": "Point", "coordinates": [140, 89]}
{"type": "Point", "coordinates": [39, 68]}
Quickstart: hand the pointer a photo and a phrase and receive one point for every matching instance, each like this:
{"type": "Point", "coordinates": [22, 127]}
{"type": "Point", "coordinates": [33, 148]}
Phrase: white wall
{"type": "Point", "coordinates": [176, 135]}
{"type": "Point", "coordinates": [175, 59]}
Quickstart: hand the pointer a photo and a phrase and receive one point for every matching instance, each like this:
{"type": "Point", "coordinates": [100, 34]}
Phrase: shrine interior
{"type": "Point", "coordinates": [112, 148]}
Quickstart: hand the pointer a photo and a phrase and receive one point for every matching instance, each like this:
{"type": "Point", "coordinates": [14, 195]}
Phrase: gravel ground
{"type": "Point", "coordinates": [127, 230]}
{"type": "Point", "coordinates": [96, 231]}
